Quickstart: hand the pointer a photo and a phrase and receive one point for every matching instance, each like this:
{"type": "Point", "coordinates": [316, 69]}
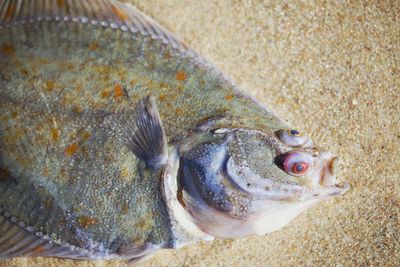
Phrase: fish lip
{"type": "Point", "coordinates": [341, 188]}
{"type": "Point", "coordinates": [326, 192]}
{"type": "Point", "coordinates": [327, 177]}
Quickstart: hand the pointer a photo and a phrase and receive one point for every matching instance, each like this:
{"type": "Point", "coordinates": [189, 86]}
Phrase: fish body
{"type": "Point", "coordinates": [117, 140]}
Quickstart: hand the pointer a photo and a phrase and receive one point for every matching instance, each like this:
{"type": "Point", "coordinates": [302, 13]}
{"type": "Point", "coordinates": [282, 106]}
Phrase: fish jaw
{"type": "Point", "coordinates": [324, 181]}
{"type": "Point", "coordinates": [279, 217]}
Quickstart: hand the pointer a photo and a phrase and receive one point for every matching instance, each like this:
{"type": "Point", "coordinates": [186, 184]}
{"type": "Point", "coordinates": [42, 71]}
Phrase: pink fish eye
{"type": "Point", "coordinates": [296, 163]}
{"type": "Point", "coordinates": [300, 168]}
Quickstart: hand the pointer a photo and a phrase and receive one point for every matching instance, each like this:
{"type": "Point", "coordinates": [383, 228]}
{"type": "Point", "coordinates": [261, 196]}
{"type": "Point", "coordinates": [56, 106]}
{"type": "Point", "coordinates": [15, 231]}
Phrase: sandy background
{"type": "Point", "coordinates": [332, 70]}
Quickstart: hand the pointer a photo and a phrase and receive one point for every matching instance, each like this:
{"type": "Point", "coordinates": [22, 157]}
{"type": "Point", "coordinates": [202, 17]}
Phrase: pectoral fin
{"type": "Point", "coordinates": [144, 134]}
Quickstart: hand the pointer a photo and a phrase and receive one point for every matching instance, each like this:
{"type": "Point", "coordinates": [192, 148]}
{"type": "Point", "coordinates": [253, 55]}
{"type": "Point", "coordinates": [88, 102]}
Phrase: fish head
{"type": "Point", "coordinates": [237, 182]}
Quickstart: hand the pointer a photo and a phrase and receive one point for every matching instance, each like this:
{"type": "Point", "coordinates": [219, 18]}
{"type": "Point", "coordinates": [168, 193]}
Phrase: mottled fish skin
{"type": "Point", "coordinates": [65, 88]}
{"type": "Point", "coordinates": [68, 84]}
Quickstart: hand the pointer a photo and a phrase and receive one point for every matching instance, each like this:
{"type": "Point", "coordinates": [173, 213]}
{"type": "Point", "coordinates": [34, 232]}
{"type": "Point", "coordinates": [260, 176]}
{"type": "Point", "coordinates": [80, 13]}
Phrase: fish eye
{"type": "Point", "coordinates": [295, 163]}
{"type": "Point", "coordinates": [294, 132]}
{"type": "Point", "coordinates": [294, 138]}
{"type": "Point", "coordinates": [300, 167]}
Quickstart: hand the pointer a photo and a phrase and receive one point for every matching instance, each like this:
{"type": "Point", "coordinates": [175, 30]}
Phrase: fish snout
{"type": "Point", "coordinates": [329, 168]}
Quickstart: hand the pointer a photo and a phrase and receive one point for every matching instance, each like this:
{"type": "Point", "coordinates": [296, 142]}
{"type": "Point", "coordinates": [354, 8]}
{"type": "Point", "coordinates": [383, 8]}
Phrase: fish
{"type": "Point", "coordinates": [117, 140]}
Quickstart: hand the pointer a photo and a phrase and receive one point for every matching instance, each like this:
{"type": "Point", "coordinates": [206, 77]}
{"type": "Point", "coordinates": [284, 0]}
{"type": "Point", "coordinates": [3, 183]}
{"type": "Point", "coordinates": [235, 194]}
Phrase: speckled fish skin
{"type": "Point", "coordinates": [68, 85]}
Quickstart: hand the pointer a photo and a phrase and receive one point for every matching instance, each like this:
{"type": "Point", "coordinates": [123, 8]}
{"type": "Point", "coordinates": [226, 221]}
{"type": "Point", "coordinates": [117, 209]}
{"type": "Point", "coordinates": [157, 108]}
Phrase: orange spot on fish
{"type": "Point", "coordinates": [133, 82]}
{"type": "Point", "coordinates": [119, 13]}
{"type": "Point", "coordinates": [24, 72]}
{"type": "Point", "coordinates": [105, 94]}
{"type": "Point", "coordinates": [14, 114]}
{"type": "Point", "coordinates": [77, 109]}
{"type": "Point", "coordinates": [178, 111]}
{"type": "Point", "coordinates": [55, 134]}
{"type": "Point", "coordinates": [161, 97]}
{"type": "Point", "coordinates": [180, 76]}
{"type": "Point", "coordinates": [71, 149]}
{"type": "Point", "coordinates": [60, 3]}
{"type": "Point", "coordinates": [93, 46]}
{"type": "Point", "coordinates": [10, 11]}
{"type": "Point", "coordinates": [118, 90]}
{"type": "Point", "coordinates": [49, 85]}
{"type": "Point", "coordinates": [7, 50]}
{"type": "Point", "coordinates": [125, 208]}
{"type": "Point", "coordinates": [86, 135]}
{"type": "Point", "coordinates": [86, 221]}
{"type": "Point", "coordinates": [228, 97]}
{"type": "Point", "coordinates": [39, 250]}
{"type": "Point", "coordinates": [46, 171]}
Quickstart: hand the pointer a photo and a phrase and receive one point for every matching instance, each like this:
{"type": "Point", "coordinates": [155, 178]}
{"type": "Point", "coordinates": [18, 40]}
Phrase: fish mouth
{"type": "Point", "coordinates": [327, 178]}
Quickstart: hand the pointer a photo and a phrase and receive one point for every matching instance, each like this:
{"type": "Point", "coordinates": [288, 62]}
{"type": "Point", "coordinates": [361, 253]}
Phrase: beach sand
{"type": "Point", "coordinates": [333, 71]}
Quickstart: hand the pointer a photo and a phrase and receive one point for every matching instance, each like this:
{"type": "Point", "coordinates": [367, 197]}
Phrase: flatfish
{"type": "Point", "coordinates": [117, 140]}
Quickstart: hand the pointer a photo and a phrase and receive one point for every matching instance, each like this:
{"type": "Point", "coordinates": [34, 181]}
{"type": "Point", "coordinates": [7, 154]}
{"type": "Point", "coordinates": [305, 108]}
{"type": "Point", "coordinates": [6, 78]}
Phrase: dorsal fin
{"type": "Point", "coordinates": [107, 13]}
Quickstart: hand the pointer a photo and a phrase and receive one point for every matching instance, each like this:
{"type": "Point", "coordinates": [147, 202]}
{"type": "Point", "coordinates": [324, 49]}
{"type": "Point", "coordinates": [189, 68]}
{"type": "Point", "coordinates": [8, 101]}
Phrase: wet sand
{"type": "Point", "coordinates": [333, 71]}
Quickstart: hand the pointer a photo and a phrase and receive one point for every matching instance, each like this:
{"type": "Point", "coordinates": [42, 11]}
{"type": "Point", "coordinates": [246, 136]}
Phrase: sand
{"type": "Point", "coordinates": [330, 69]}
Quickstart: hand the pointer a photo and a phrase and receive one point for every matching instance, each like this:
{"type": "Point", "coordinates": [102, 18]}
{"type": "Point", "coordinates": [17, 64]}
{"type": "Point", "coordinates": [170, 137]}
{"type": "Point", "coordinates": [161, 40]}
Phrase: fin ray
{"type": "Point", "coordinates": [144, 134]}
{"type": "Point", "coordinates": [108, 13]}
{"type": "Point", "coordinates": [16, 240]}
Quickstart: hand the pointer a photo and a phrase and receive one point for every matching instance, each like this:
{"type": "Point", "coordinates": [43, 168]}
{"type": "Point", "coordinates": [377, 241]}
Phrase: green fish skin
{"type": "Point", "coordinates": [108, 124]}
